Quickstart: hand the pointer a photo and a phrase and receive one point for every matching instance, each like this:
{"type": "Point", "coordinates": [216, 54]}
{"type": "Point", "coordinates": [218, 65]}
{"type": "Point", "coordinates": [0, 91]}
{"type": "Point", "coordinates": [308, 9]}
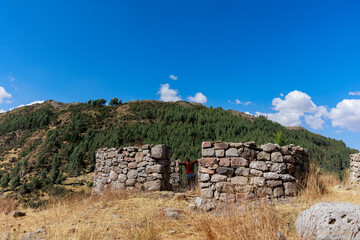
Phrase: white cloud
{"type": "Point", "coordinates": [29, 104]}
{"type": "Point", "coordinates": [2, 111]}
{"type": "Point", "coordinates": [173, 77]}
{"type": "Point", "coordinates": [167, 94]}
{"type": "Point", "coordinates": [281, 94]}
{"type": "Point", "coordinates": [4, 95]}
{"type": "Point", "coordinates": [346, 114]}
{"type": "Point", "coordinates": [355, 93]}
{"type": "Point", "coordinates": [294, 107]}
{"type": "Point", "coordinates": [198, 98]}
{"type": "Point", "coordinates": [237, 101]}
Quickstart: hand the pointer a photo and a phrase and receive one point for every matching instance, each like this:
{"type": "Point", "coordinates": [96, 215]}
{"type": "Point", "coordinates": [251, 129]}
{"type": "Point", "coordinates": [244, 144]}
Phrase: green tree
{"type": "Point", "coordinates": [5, 180]}
{"type": "Point", "coordinates": [15, 183]}
{"type": "Point", "coordinates": [280, 138]}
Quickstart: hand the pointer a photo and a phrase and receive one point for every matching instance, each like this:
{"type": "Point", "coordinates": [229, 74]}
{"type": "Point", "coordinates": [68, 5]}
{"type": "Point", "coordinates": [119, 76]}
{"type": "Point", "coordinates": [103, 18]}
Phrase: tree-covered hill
{"type": "Point", "coordinates": [41, 145]}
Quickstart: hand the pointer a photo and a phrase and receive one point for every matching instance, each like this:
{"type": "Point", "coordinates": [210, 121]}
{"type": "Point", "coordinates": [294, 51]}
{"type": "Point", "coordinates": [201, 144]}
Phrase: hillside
{"type": "Point", "coordinates": [41, 145]}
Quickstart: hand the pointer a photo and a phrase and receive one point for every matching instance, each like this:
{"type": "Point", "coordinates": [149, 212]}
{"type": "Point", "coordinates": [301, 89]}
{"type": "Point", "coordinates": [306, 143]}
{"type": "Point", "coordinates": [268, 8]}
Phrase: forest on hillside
{"type": "Point", "coordinates": [57, 143]}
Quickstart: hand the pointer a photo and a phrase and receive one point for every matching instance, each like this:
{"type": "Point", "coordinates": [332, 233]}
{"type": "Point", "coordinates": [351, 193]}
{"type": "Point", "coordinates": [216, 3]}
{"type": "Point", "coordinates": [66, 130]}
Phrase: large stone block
{"type": "Point", "coordinates": [239, 180]}
{"type": "Point", "coordinates": [242, 171]}
{"type": "Point", "coordinates": [232, 152]}
{"type": "Point", "coordinates": [269, 147]}
{"type": "Point", "coordinates": [277, 157]}
{"type": "Point", "coordinates": [221, 145]}
{"type": "Point", "coordinates": [208, 162]}
{"type": "Point", "coordinates": [161, 151]}
{"type": "Point", "coordinates": [256, 173]}
{"type": "Point", "coordinates": [264, 156]}
{"type": "Point", "coordinates": [155, 169]}
{"type": "Point", "coordinates": [259, 165]}
{"type": "Point", "coordinates": [139, 156]}
{"type": "Point", "coordinates": [271, 176]}
{"type": "Point", "coordinates": [257, 181]}
{"type": "Point", "coordinates": [206, 170]}
{"type": "Point", "coordinates": [132, 174]}
{"type": "Point", "coordinates": [207, 193]}
{"type": "Point", "coordinates": [225, 171]}
{"type": "Point", "coordinates": [224, 162]}
{"type": "Point", "coordinates": [278, 192]}
{"type": "Point", "coordinates": [290, 188]}
{"type": "Point", "coordinates": [206, 144]}
{"type": "Point", "coordinates": [239, 162]}
{"type": "Point", "coordinates": [278, 168]}
{"type": "Point", "coordinates": [208, 152]}
{"type": "Point", "coordinates": [113, 175]}
{"type": "Point", "coordinates": [218, 178]}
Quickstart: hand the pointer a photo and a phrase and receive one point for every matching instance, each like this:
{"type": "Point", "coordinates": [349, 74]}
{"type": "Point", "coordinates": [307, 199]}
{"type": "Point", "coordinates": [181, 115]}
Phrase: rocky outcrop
{"type": "Point", "coordinates": [230, 172]}
{"type": "Point", "coordinates": [329, 220]}
{"type": "Point", "coordinates": [147, 168]}
{"type": "Point", "coordinates": [355, 168]}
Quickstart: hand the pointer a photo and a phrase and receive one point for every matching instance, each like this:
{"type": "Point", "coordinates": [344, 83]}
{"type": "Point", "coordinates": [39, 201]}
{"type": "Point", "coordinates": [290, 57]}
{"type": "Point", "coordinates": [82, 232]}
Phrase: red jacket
{"type": "Point", "coordinates": [189, 166]}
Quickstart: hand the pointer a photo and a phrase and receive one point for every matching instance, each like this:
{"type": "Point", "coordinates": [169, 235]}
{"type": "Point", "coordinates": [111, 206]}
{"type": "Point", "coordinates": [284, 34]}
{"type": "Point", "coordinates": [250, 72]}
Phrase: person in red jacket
{"type": "Point", "coordinates": [189, 166]}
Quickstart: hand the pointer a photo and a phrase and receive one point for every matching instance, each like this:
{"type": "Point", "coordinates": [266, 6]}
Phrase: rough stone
{"type": "Point", "coordinates": [208, 152]}
{"type": "Point", "coordinates": [273, 183]}
{"type": "Point", "coordinates": [239, 162]}
{"type": "Point", "coordinates": [271, 176]}
{"type": "Point", "coordinates": [278, 192]}
{"type": "Point", "coordinates": [277, 157]}
{"type": "Point", "coordinates": [290, 188]}
{"type": "Point", "coordinates": [329, 220]}
{"type": "Point", "coordinates": [113, 175]}
{"type": "Point", "coordinates": [207, 193]}
{"type": "Point", "coordinates": [257, 181]}
{"type": "Point", "coordinates": [218, 178]}
{"type": "Point", "coordinates": [232, 152]}
{"type": "Point", "coordinates": [139, 157]}
{"type": "Point", "coordinates": [132, 174]}
{"type": "Point", "coordinates": [132, 165]}
{"type": "Point", "coordinates": [206, 144]}
{"type": "Point", "coordinates": [221, 145]}
{"type": "Point", "coordinates": [224, 162]}
{"type": "Point", "coordinates": [204, 177]}
{"type": "Point", "coordinates": [241, 171]}
{"type": "Point", "coordinates": [263, 156]}
{"type": "Point", "coordinates": [206, 170]}
{"type": "Point", "coordinates": [259, 165]}
{"type": "Point", "coordinates": [269, 147]}
{"type": "Point", "coordinates": [220, 153]}
{"type": "Point", "coordinates": [122, 178]}
{"type": "Point", "coordinates": [225, 171]}
{"type": "Point", "coordinates": [256, 173]}
{"type": "Point", "coordinates": [239, 180]}
{"type": "Point", "coordinates": [208, 162]}
{"type": "Point", "coordinates": [153, 185]}
{"type": "Point", "coordinates": [155, 169]}
{"type": "Point", "coordinates": [278, 168]}
{"type": "Point", "coordinates": [161, 152]}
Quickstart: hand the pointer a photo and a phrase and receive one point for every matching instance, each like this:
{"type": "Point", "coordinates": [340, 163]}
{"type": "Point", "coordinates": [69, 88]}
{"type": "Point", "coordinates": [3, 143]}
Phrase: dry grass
{"type": "Point", "coordinates": [137, 215]}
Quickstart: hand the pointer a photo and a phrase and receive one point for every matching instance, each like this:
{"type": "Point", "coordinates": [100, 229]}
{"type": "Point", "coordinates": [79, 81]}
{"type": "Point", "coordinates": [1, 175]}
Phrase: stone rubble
{"type": "Point", "coordinates": [355, 168]}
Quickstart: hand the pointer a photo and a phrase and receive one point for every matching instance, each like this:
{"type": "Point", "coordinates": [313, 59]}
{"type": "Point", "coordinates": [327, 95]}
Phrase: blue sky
{"type": "Point", "coordinates": [295, 62]}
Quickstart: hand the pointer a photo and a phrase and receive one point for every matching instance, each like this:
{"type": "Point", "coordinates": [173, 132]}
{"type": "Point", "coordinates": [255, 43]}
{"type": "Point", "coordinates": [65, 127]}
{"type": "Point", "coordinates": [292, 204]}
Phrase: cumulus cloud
{"type": "Point", "coordinates": [198, 98]}
{"type": "Point", "coordinates": [354, 93]}
{"type": "Point", "coordinates": [173, 77]}
{"type": "Point", "coordinates": [237, 101]}
{"type": "Point", "coordinates": [167, 94]}
{"type": "Point", "coordinates": [294, 107]}
{"type": "Point", "coordinates": [4, 95]}
{"type": "Point", "coordinates": [2, 111]}
{"type": "Point", "coordinates": [346, 115]}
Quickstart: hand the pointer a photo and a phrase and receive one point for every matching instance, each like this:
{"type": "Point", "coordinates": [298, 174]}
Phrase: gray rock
{"type": "Point", "coordinates": [220, 153]}
{"type": "Point", "coordinates": [161, 151]}
{"type": "Point", "coordinates": [257, 181]}
{"type": "Point", "coordinates": [278, 192]}
{"type": "Point", "coordinates": [278, 168]}
{"type": "Point", "coordinates": [155, 169]}
{"type": "Point", "coordinates": [277, 157]}
{"type": "Point", "coordinates": [290, 188]}
{"type": "Point", "coordinates": [271, 176]}
{"type": "Point", "coordinates": [269, 147]}
{"type": "Point", "coordinates": [204, 177]}
{"type": "Point", "coordinates": [132, 174]}
{"type": "Point", "coordinates": [232, 152]}
{"type": "Point", "coordinates": [130, 182]}
{"type": "Point", "coordinates": [239, 180]}
{"type": "Point", "coordinates": [207, 193]}
{"type": "Point", "coordinates": [198, 201]}
{"type": "Point", "coordinates": [113, 175]}
{"type": "Point", "coordinates": [263, 156]}
{"type": "Point", "coordinates": [218, 178]}
{"type": "Point", "coordinates": [241, 171]}
{"type": "Point", "coordinates": [208, 152]}
{"type": "Point", "coordinates": [259, 165]}
{"type": "Point", "coordinates": [256, 173]}
{"type": "Point", "coordinates": [329, 220]}
{"type": "Point", "coordinates": [225, 171]}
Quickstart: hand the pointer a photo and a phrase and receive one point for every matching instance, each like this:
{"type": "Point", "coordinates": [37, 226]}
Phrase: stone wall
{"type": "Point", "coordinates": [146, 168]}
{"type": "Point", "coordinates": [355, 168]}
{"type": "Point", "coordinates": [230, 172]}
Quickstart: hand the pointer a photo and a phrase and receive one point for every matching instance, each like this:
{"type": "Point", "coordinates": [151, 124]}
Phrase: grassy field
{"type": "Point", "coordinates": [134, 215]}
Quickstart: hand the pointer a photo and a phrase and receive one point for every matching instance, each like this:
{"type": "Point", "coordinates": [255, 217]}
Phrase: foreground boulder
{"type": "Point", "coordinates": [329, 220]}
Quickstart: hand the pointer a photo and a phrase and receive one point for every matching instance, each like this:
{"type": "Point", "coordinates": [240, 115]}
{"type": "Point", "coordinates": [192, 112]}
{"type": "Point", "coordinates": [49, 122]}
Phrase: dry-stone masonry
{"type": "Point", "coordinates": [147, 168]}
{"type": "Point", "coordinates": [230, 172]}
{"type": "Point", "coordinates": [355, 168]}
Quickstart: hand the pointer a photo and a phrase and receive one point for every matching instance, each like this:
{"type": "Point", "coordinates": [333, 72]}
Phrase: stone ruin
{"type": "Point", "coordinates": [355, 169]}
{"type": "Point", "coordinates": [231, 172]}
{"type": "Point", "coordinates": [147, 167]}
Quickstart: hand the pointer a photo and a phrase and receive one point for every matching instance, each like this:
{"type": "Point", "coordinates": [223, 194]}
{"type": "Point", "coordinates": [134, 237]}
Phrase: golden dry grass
{"type": "Point", "coordinates": [137, 215]}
